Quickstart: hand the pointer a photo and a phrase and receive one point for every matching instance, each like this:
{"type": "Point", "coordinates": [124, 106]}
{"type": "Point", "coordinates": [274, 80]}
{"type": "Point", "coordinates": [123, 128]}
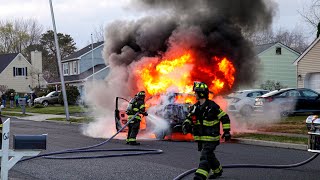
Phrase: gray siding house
{"type": "Point", "coordinates": [83, 65]}
{"type": "Point", "coordinates": [277, 64]}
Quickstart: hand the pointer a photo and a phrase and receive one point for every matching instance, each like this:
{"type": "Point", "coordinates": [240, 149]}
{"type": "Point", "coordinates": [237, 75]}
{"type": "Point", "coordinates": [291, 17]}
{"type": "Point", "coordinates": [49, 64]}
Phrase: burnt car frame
{"type": "Point", "coordinates": [174, 112]}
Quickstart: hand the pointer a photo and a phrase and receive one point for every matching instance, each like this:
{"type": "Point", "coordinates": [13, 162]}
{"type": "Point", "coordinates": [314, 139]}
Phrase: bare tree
{"type": "Point", "coordinates": [17, 34]}
{"type": "Point", "coordinates": [294, 39]}
{"type": "Point", "coordinates": [98, 34]}
{"type": "Point", "coordinates": [3, 88]}
{"type": "Point", "coordinates": [310, 13]}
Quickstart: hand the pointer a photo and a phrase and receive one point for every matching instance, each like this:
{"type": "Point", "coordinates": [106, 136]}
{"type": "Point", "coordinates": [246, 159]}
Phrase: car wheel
{"type": "Point", "coordinates": [246, 111]}
{"type": "Point", "coordinates": [284, 114]}
{"type": "Point", "coordinates": [45, 103]}
{"type": "Point", "coordinates": [160, 135]}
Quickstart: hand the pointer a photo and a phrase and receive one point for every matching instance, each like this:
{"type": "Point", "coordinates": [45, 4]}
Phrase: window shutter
{"type": "Point", "coordinates": [26, 71]}
{"type": "Point", "coordinates": [14, 71]}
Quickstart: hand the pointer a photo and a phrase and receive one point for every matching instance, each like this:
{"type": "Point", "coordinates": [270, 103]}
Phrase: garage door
{"type": "Point", "coordinates": [314, 82]}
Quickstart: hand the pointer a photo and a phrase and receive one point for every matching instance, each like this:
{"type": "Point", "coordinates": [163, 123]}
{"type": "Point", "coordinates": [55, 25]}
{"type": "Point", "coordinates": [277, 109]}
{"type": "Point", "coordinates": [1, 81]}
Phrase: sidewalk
{"type": "Point", "coordinates": [40, 117]}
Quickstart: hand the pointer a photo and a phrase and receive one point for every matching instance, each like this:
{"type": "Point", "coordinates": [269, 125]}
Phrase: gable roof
{"type": "Point", "coordinates": [263, 47]}
{"type": "Point", "coordinates": [80, 77]}
{"type": "Point", "coordinates": [6, 59]}
{"type": "Point", "coordinates": [83, 51]}
{"type": "Point", "coordinates": [307, 50]}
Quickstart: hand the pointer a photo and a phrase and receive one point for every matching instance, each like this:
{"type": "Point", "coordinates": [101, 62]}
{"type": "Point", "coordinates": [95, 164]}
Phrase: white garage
{"type": "Point", "coordinates": [313, 81]}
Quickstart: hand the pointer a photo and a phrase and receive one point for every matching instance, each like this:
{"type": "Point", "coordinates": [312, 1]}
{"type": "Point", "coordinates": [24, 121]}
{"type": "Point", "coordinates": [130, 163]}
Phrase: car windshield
{"type": "Point", "coordinates": [50, 94]}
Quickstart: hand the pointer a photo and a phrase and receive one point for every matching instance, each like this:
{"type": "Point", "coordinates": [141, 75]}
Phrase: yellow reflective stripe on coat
{"type": "Point", "coordinates": [187, 121]}
{"type": "Point", "coordinates": [142, 106]}
{"type": "Point", "coordinates": [206, 138]}
{"type": "Point", "coordinates": [208, 123]}
{"type": "Point", "coordinates": [222, 113]}
{"type": "Point", "coordinates": [135, 109]}
{"type": "Point", "coordinates": [130, 116]}
{"type": "Point", "coordinates": [203, 172]}
{"type": "Point", "coordinates": [217, 170]}
{"type": "Point", "coordinates": [226, 126]}
{"type": "Point", "coordinates": [1, 125]}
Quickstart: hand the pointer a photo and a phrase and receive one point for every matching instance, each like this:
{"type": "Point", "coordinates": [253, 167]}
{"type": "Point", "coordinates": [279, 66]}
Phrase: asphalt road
{"type": "Point", "coordinates": [176, 159]}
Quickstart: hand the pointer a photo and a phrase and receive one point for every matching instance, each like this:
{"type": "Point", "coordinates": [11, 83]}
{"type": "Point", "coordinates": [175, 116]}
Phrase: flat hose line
{"type": "Point", "coordinates": [88, 149]}
{"type": "Point", "coordinates": [253, 166]}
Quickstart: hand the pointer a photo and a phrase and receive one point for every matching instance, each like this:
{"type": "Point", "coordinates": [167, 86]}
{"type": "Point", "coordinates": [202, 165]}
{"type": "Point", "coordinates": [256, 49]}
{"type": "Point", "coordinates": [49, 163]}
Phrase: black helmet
{"type": "Point", "coordinates": [141, 94]}
{"type": "Point", "coordinates": [201, 89]}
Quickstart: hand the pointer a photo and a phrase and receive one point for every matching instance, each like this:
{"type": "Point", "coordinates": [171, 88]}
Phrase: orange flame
{"type": "Point", "coordinates": [180, 73]}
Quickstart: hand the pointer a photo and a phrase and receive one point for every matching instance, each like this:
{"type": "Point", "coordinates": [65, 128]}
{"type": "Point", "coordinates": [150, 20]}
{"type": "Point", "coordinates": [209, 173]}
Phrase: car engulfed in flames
{"type": "Point", "coordinates": [168, 85]}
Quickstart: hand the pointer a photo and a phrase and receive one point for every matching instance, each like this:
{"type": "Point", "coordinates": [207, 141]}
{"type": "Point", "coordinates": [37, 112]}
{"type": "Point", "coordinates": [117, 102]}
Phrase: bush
{"type": "Point", "coordinates": [72, 95]}
{"type": "Point", "coordinates": [272, 85]}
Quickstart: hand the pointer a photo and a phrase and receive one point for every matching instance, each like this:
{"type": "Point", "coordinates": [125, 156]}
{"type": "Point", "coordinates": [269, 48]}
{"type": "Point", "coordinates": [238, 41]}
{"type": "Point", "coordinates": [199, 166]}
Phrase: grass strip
{"type": "Point", "coordinates": [276, 138]}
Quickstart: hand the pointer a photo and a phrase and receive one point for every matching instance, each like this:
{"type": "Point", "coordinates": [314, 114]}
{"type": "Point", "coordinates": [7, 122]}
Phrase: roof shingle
{"type": "Point", "coordinates": [82, 51]}
{"type": "Point", "coordinates": [6, 59]}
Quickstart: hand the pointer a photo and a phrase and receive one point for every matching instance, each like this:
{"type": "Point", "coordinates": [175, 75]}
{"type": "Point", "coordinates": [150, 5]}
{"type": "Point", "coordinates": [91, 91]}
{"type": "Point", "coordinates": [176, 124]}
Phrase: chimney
{"type": "Point", "coordinates": [36, 60]}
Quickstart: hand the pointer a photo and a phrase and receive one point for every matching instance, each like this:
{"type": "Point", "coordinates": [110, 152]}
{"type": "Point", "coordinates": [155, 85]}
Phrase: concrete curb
{"type": "Point", "coordinates": [271, 144]}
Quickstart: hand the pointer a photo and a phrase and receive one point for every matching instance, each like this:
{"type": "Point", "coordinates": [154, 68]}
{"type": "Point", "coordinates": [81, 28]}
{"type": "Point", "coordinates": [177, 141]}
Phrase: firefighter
{"type": "Point", "coordinates": [135, 105]}
{"type": "Point", "coordinates": [206, 131]}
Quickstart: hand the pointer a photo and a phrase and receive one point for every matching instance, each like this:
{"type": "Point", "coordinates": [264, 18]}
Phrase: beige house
{"type": "Point", "coordinates": [308, 67]}
{"type": "Point", "coordinates": [19, 74]}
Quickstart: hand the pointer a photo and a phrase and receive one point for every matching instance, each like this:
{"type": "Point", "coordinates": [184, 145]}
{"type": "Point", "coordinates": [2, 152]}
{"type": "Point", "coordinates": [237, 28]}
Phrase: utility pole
{"type": "Point", "coordinates": [92, 59]}
{"type": "Point", "coordinates": [64, 94]}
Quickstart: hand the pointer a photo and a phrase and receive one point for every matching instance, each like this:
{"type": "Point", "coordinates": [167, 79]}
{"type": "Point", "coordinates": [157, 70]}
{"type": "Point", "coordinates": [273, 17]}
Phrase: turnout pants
{"type": "Point", "coordinates": [208, 160]}
{"type": "Point", "coordinates": [133, 131]}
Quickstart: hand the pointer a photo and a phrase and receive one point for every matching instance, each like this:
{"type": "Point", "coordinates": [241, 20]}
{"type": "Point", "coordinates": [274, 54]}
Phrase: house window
{"type": "Point", "coordinates": [278, 50]}
{"type": "Point", "coordinates": [75, 67]}
{"type": "Point", "coordinates": [19, 71]}
{"type": "Point", "coordinates": [65, 68]}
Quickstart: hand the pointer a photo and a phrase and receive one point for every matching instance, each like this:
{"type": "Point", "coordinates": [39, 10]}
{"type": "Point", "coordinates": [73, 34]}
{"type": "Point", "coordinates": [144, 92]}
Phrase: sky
{"type": "Point", "coordinates": [79, 18]}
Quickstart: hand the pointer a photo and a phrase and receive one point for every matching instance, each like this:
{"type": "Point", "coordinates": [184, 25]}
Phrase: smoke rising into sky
{"type": "Point", "coordinates": [207, 27]}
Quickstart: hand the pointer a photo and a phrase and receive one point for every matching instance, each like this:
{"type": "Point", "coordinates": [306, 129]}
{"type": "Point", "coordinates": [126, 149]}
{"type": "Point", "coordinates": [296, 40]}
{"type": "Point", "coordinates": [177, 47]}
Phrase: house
{"type": "Point", "coordinates": [276, 64]}
{"type": "Point", "coordinates": [308, 67]}
{"type": "Point", "coordinates": [83, 65]}
{"type": "Point", "coordinates": [17, 73]}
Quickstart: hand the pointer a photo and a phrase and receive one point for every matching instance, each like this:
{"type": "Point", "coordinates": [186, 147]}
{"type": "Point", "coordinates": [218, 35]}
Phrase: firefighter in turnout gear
{"type": "Point", "coordinates": [206, 131]}
{"type": "Point", "coordinates": [135, 105]}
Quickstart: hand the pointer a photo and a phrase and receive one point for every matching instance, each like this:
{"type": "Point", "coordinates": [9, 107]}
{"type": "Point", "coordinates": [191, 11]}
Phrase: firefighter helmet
{"type": "Point", "coordinates": [201, 89]}
{"type": "Point", "coordinates": [141, 95]}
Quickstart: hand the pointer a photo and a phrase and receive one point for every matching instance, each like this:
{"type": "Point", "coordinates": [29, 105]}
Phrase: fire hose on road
{"type": "Point", "coordinates": [181, 176]}
{"type": "Point", "coordinates": [139, 151]}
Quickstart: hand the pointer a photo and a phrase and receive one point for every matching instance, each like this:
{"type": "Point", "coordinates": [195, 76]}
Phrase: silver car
{"type": "Point", "coordinates": [242, 102]}
{"type": "Point", "coordinates": [51, 98]}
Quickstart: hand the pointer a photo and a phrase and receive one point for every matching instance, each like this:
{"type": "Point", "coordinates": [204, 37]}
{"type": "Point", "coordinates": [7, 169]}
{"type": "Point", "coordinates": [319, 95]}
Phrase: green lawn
{"type": "Point", "coordinates": [265, 137]}
{"type": "Point", "coordinates": [49, 110]}
{"type": "Point", "coordinates": [294, 124]}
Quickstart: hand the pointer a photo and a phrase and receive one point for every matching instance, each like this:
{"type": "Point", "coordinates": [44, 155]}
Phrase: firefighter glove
{"type": "Point", "coordinates": [186, 128]}
{"type": "Point", "coordinates": [145, 114]}
{"type": "Point", "coordinates": [226, 136]}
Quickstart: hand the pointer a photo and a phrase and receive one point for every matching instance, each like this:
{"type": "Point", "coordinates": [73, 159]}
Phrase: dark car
{"type": "Point", "coordinates": [288, 101]}
{"type": "Point", "coordinates": [170, 110]}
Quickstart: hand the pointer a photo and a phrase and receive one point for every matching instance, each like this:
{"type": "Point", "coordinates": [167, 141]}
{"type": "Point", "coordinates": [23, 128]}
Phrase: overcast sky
{"type": "Point", "coordinates": [80, 17]}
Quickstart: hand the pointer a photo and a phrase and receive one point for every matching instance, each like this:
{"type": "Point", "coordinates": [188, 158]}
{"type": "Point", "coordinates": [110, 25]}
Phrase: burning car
{"type": "Point", "coordinates": [166, 113]}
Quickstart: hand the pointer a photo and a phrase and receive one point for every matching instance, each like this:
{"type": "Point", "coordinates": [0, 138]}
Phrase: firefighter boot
{"type": "Point", "coordinates": [216, 175]}
{"type": "Point", "coordinates": [134, 143]}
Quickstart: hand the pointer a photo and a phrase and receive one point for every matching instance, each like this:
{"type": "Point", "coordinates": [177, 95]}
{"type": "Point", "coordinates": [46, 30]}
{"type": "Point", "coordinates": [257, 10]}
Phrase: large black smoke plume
{"type": "Point", "coordinates": [208, 27]}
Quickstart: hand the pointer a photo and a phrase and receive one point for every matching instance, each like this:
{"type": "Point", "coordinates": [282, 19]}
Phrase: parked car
{"type": "Point", "coordinates": [173, 111]}
{"type": "Point", "coordinates": [51, 98]}
{"type": "Point", "coordinates": [242, 102]}
{"type": "Point", "coordinates": [289, 101]}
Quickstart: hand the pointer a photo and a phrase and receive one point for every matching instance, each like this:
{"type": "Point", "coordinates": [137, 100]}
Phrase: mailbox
{"type": "Point", "coordinates": [22, 101]}
{"type": "Point", "coordinates": [23, 142]}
